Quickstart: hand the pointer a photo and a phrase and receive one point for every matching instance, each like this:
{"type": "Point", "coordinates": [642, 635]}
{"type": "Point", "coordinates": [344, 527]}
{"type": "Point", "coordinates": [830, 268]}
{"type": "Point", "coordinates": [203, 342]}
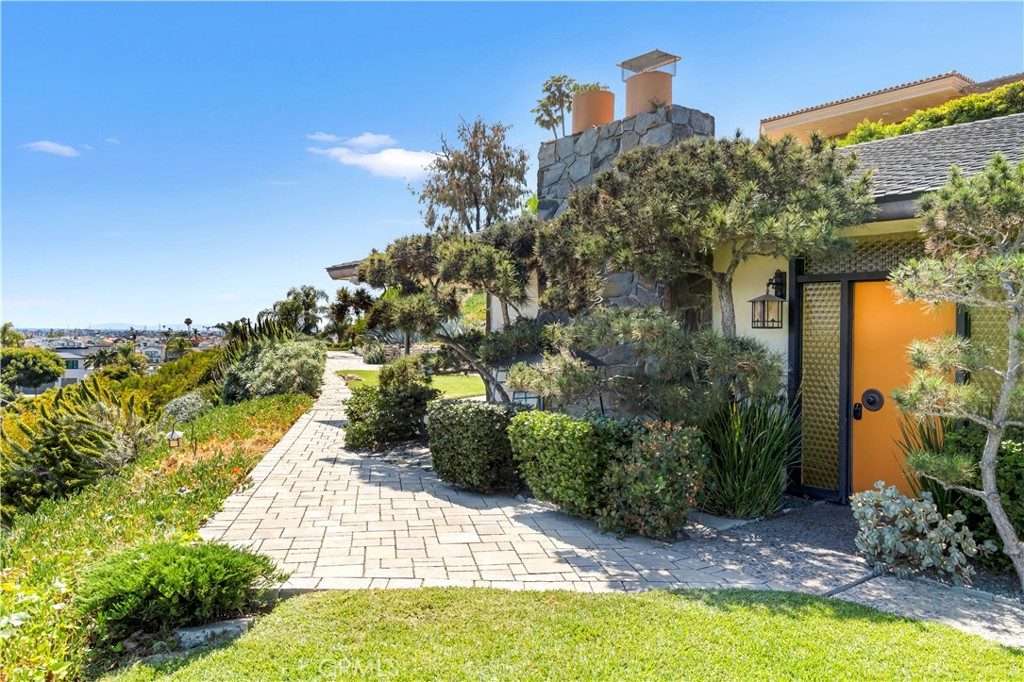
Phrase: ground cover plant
{"type": "Point", "coordinates": [156, 586]}
{"type": "Point", "coordinates": [484, 634]}
{"type": "Point", "coordinates": [162, 494]}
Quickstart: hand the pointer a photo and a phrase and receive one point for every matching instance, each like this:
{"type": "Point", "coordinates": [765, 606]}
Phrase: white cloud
{"type": "Point", "coordinates": [371, 141]}
{"type": "Point", "coordinates": [48, 147]}
{"type": "Point", "coordinates": [88, 147]}
{"type": "Point", "coordinates": [112, 140]}
{"type": "Point", "coordinates": [390, 163]}
{"type": "Point", "coordinates": [322, 137]}
{"type": "Point", "coordinates": [228, 296]}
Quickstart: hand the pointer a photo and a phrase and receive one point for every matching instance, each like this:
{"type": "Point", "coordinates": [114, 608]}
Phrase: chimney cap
{"type": "Point", "coordinates": [655, 59]}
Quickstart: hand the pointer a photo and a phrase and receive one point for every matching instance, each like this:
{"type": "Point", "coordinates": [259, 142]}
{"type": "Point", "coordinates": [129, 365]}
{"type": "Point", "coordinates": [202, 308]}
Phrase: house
{"type": "Point", "coordinates": [888, 105]}
{"type": "Point", "coordinates": [74, 356]}
{"type": "Point", "coordinates": [845, 334]}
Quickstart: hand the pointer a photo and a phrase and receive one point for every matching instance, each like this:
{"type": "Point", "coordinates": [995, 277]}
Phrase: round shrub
{"type": "Point", "coordinates": [161, 585]}
{"type": "Point", "coordinates": [563, 458]}
{"type": "Point", "coordinates": [470, 446]}
{"type": "Point", "coordinates": [391, 412]}
{"type": "Point", "coordinates": [650, 487]}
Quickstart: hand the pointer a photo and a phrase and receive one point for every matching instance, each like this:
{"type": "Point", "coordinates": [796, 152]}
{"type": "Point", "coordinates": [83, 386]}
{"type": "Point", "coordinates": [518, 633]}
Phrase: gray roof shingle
{"type": "Point", "coordinates": [919, 162]}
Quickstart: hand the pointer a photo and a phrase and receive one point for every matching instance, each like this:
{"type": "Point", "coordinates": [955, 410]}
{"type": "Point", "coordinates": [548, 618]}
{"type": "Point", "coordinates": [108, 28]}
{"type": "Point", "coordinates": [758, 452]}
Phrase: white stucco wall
{"type": "Point", "coordinates": [529, 310]}
{"type": "Point", "coordinates": [749, 282]}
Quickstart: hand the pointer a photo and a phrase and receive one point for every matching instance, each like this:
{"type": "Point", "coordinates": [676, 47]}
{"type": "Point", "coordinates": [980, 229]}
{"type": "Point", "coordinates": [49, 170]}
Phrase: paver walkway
{"type": "Point", "coordinates": [337, 519]}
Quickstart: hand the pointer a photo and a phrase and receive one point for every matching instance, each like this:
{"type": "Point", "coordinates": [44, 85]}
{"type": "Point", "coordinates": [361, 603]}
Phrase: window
{"type": "Point", "coordinates": [71, 364]}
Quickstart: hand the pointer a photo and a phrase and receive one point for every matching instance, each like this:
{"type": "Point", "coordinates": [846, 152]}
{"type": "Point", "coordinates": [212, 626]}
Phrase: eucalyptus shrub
{"type": "Point", "coordinates": [903, 535]}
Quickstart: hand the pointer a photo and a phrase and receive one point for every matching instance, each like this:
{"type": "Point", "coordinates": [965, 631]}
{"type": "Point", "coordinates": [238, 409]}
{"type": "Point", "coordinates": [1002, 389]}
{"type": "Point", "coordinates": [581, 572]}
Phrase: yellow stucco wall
{"type": "Point", "coordinates": [751, 276]}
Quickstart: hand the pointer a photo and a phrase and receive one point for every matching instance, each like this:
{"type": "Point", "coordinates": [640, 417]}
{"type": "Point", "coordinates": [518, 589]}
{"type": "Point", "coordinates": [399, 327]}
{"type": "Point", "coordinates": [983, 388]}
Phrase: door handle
{"type": "Point", "coordinates": [858, 411]}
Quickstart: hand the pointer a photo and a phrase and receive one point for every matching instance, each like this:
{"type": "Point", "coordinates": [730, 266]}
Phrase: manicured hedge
{"type": "Point", "coordinates": [470, 446]}
{"type": "Point", "coordinates": [629, 476]}
{"type": "Point", "coordinates": [563, 458]}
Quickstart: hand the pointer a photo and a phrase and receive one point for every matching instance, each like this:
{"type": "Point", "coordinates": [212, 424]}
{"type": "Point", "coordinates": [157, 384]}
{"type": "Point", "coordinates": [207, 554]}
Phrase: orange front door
{"type": "Point", "coordinates": [882, 328]}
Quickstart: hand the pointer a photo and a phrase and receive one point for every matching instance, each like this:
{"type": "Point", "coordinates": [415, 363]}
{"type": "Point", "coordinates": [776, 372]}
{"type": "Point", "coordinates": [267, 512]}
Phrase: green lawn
{"type": "Point", "coordinates": [451, 385]}
{"type": "Point", "coordinates": [484, 634]}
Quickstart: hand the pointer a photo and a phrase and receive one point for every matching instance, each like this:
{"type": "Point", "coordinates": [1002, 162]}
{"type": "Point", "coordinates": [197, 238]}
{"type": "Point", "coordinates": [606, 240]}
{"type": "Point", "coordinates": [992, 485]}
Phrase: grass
{"type": "Point", "coordinates": [485, 634]}
{"type": "Point", "coordinates": [162, 494]}
{"type": "Point", "coordinates": [474, 309]}
{"type": "Point", "coordinates": [451, 385]}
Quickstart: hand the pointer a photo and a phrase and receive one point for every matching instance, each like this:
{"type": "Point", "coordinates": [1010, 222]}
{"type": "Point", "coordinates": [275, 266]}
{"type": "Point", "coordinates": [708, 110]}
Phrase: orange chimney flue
{"type": "Point", "coordinates": [648, 81]}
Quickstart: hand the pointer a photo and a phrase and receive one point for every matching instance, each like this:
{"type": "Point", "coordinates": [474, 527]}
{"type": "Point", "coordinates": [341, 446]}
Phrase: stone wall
{"type": "Point", "coordinates": [571, 162]}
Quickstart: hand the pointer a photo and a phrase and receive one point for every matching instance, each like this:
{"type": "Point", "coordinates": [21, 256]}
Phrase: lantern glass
{"type": "Point", "coordinates": [766, 310]}
{"type": "Point", "coordinates": [174, 439]}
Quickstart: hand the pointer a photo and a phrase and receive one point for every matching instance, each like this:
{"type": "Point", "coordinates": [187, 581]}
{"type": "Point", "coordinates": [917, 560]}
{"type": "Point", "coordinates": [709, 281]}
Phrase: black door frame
{"type": "Point", "coordinates": [797, 279]}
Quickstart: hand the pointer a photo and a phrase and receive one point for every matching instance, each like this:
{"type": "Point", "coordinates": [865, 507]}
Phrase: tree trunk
{"type": "Point", "coordinates": [1012, 545]}
{"type": "Point", "coordinates": [408, 343]}
{"type": "Point", "coordinates": [493, 387]}
{"type": "Point", "coordinates": [723, 283]}
{"type": "Point", "coordinates": [504, 312]}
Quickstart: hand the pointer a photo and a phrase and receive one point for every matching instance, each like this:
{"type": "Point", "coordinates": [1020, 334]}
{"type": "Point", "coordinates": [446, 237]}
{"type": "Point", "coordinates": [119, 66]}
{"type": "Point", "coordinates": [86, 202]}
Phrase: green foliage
{"type": "Point", "coordinates": [29, 367]}
{"type": "Point", "coordinates": [9, 336]}
{"type": "Point", "coordinates": [469, 444]}
{"type": "Point", "coordinates": [186, 408]}
{"type": "Point", "coordinates": [267, 368]}
{"type": "Point", "coordinates": [81, 434]}
{"type": "Point", "coordinates": [151, 499]}
{"type": "Point", "coordinates": [392, 411]}
{"type": "Point", "coordinates": [523, 337]}
{"type": "Point", "coordinates": [562, 381]}
{"type": "Point", "coordinates": [162, 585]}
{"type": "Point", "coordinates": [902, 535]}
{"type": "Point", "coordinates": [177, 377]}
{"type": "Point", "coordinates": [554, 104]}
{"type": "Point", "coordinates": [649, 488]}
{"type": "Point", "coordinates": [975, 259]}
{"type": "Point", "coordinates": [476, 183]}
{"type": "Point", "coordinates": [663, 212]}
{"type": "Point", "coordinates": [590, 87]}
{"type": "Point", "coordinates": [300, 311]}
{"type": "Point", "coordinates": [680, 376]}
{"type": "Point", "coordinates": [563, 458]}
{"type": "Point", "coordinates": [752, 444]}
{"type": "Point", "coordinates": [957, 448]}
{"type": "Point", "coordinates": [1009, 99]}
{"type": "Point", "coordinates": [473, 309]}
{"type": "Point", "coordinates": [374, 354]}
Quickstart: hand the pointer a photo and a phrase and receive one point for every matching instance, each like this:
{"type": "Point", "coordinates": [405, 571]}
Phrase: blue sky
{"type": "Point", "coordinates": [157, 159]}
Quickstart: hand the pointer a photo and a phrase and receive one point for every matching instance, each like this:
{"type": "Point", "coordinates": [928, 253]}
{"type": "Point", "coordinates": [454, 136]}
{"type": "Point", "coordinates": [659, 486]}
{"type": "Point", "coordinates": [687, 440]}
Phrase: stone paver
{"type": "Point", "coordinates": [340, 520]}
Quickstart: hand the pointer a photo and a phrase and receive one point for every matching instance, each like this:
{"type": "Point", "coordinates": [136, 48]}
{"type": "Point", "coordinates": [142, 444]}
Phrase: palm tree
{"type": "Point", "coordinates": [101, 358]}
{"type": "Point", "coordinates": [305, 303]}
{"type": "Point", "coordinates": [188, 325]}
{"type": "Point", "coordinates": [9, 337]}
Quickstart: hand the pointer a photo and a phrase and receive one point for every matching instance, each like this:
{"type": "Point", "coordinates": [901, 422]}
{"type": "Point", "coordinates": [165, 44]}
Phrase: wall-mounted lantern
{"type": "Point", "coordinates": [766, 310]}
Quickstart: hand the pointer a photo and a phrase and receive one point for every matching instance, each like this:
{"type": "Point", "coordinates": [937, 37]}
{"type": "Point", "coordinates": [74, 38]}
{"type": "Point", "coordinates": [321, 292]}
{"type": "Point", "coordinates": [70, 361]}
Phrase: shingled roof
{"type": "Point", "coordinates": [919, 162]}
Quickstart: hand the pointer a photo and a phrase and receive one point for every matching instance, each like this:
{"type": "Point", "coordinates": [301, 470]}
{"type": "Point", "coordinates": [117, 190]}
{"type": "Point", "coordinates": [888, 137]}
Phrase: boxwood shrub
{"type": "Point", "coordinates": [563, 458]}
{"type": "Point", "coordinates": [470, 446]}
